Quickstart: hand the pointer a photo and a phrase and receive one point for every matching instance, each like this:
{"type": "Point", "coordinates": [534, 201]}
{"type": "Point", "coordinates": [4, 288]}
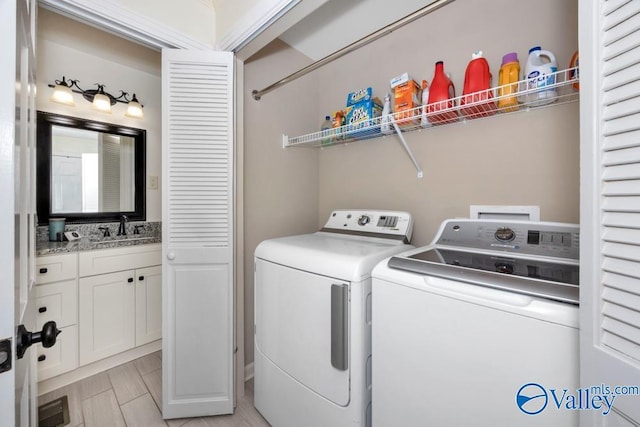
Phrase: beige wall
{"type": "Point", "coordinates": [280, 186]}
{"type": "Point", "coordinates": [68, 48]}
{"type": "Point", "coordinates": [194, 18]}
{"type": "Point", "coordinates": [230, 12]}
{"type": "Point", "coordinates": [528, 158]}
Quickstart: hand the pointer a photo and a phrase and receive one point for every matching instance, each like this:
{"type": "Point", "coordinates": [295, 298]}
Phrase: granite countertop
{"type": "Point", "coordinates": [87, 244]}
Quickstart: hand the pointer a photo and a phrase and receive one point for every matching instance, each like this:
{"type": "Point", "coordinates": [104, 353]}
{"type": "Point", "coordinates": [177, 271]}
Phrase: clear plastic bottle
{"type": "Point", "coordinates": [325, 127]}
{"type": "Point", "coordinates": [424, 121]}
{"type": "Point", "coordinates": [385, 120]}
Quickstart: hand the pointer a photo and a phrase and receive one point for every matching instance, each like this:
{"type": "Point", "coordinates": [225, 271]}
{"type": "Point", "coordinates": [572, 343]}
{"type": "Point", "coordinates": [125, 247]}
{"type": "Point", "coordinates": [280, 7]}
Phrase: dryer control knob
{"type": "Point", "coordinates": [364, 220]}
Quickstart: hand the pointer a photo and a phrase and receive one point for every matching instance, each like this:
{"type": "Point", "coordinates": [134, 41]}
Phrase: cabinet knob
{"type": "Point", "coordinates": [42, 358]}
{"type": "Point", "coordinates": [130, 279]}
{"type": "Point", "coordinates": [43, 270]}
{"type": "Point", "coordinates": [171, 256]}
{"type": "Point", "coordinates": [140, 278]}
{"type": "Point", "coordinates": [42, 309]}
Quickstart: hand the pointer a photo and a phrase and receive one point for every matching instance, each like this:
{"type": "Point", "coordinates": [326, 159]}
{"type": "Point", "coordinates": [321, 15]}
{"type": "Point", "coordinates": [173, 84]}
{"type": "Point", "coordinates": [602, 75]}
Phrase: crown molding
{"type": "Point", "coordinates": [253, 22]}
{"type": "Point", "coordinates": [110, 16]}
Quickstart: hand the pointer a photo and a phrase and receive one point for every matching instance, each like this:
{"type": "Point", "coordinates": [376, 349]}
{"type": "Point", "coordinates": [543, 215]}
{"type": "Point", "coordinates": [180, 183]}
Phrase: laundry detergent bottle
{"type": "Point", "coordinates": [508, 77]}
{"type": "Point", "coordinates": [477, 85]}
{"type": "Point", "coordinates": [539, 74]}
{"type": "Point", "coordinates": [441, 94]}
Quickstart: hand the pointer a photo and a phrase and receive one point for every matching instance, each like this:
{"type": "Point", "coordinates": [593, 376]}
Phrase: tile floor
{"type": "Point", "coordinates": [130, 395]}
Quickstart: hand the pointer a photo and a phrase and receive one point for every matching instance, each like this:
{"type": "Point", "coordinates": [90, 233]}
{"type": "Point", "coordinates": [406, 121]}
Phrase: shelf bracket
{"type": "Point", "coordinates": [408, 150]}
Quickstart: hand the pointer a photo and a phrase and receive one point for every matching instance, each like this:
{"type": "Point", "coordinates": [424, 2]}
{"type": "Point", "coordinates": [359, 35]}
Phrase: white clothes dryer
{"type": "Point", "coordinates": [313, 319]}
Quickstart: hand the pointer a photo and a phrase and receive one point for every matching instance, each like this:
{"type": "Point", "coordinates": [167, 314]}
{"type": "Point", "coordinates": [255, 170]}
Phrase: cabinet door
{"type": "Point", "coordinates": [148, 304]}
{"type": "Point", "coordinates": [106, 315]}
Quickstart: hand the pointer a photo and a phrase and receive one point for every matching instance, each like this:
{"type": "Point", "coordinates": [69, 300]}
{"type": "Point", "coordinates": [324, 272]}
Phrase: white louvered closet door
{"type": "Point", "coordinates": [197, 233]}
{"type": "Point", "coordinates": [610, 204]}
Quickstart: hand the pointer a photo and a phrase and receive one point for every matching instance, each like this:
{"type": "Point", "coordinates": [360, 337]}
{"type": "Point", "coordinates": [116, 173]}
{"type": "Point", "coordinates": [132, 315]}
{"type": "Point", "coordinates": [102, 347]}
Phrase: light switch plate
{"type": "Point", "coordinates": [152, 182]}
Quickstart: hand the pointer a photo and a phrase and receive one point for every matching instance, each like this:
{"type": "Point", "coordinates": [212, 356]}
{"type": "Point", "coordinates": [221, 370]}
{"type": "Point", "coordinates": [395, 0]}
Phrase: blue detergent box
{"type": "Point", "coordinates": [361, 95]}
{"type": "Point", "coordinates": [360, 115]}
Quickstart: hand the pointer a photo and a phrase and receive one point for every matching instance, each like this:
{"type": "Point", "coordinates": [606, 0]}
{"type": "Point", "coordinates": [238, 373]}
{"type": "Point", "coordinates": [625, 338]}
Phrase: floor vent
{"type": "Point", "coordinates": [54, 414]}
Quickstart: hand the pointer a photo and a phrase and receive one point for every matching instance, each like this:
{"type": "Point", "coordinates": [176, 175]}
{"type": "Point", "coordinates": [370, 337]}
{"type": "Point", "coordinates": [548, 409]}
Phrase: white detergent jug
{"type": "Point", "coordinates": [539, 74]}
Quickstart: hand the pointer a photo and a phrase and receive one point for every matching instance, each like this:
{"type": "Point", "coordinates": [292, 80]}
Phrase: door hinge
{"type": "Point", "coordinates": [5, 355]}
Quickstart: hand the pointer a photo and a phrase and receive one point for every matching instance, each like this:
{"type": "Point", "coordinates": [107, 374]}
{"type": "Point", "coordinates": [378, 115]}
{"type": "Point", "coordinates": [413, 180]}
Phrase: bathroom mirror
{"type": "Point", "coordinates": [89, 171]}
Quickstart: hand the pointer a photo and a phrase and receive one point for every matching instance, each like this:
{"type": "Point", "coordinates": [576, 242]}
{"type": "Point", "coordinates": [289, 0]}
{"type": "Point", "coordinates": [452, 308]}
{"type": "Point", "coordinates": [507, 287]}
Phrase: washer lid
{"type": "Point", "coordinates": [345, 257]}
{"type": "Point", "coordinates": [546, 277]}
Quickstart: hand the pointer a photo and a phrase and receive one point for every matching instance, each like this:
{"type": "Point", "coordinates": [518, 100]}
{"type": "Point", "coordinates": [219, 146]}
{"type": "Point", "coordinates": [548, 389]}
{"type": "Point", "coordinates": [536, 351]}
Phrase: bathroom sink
{"type": "Point", "coordinates": [118, 239]}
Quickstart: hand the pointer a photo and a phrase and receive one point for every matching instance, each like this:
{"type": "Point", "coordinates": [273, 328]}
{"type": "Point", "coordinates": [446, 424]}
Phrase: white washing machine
{"type": "Point", "coordinates": [313, 319]}
{"type": "Point", "coordinates": [478, 329]}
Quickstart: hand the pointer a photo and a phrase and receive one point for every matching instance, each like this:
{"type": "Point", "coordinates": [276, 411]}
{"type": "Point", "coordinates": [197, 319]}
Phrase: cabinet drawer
{"type": "Point", "coordinates": [119, 259]}
{"type": "Point", "coordinates": [53, 268]}
{"type": "Point", "coordinates": [57, 302]}
{"type": "Point", "coordinates": [60, 358]}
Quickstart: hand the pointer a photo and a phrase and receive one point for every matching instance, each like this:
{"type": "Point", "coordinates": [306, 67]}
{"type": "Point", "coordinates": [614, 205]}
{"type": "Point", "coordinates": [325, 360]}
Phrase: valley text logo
{"type": "Point", "coordinates": [533, 398]}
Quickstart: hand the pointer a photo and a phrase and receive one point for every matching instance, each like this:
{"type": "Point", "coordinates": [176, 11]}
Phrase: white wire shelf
{"type": "Point", "coordinates": [479, 105]}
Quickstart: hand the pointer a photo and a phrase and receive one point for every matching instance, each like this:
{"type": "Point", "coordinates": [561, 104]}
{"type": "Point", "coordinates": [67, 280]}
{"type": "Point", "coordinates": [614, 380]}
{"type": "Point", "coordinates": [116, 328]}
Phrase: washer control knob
{"type": "Point", "coordinates": [505, 234]}
{"type": "Point", "coordinates": [364, 220]}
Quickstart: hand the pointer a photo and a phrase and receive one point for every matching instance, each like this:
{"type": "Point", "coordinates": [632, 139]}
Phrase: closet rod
{"type": "Point", "coordinates": [257, 94]}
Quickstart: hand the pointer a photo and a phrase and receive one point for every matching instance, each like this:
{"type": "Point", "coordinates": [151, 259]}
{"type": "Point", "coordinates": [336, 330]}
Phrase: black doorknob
{"type": "Point", "coordinates": [24, 338]}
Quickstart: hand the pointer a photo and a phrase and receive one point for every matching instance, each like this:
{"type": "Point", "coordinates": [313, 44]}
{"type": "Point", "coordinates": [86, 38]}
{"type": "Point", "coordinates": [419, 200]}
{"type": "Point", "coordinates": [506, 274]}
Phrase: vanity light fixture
{"type": "Point", "coordinates": [63, 94]}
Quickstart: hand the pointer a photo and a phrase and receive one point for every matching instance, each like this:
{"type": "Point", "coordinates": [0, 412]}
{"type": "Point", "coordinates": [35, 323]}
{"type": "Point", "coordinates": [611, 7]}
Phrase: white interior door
{"type": "Point", "coordinates": [610, 205]}
{"type": "Point", "coordinates": [197, 233]}
{"type": "Point", "coordinates": [17, 222]}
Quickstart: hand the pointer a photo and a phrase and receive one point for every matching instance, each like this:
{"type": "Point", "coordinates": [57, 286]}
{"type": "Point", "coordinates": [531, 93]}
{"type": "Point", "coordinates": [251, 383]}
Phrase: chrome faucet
{"type": "Point", "coordinates": [122, 230]}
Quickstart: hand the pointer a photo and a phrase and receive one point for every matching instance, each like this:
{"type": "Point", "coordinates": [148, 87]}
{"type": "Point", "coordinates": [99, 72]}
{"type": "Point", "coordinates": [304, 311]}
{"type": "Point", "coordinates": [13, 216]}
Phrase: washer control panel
{"type": "Point", "coordinates": [525, 237]}
{"type": "Point", "coordinates": [376, 223]}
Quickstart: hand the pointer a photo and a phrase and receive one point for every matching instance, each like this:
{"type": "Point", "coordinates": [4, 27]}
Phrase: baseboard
{"type": "Point", "coordinates": [248, 372]}
{"type": "Point", "coordinates": [96, 367]}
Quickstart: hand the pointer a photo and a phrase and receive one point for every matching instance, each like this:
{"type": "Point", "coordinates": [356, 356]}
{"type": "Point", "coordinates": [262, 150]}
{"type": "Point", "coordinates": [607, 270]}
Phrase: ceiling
{"type": "Point", "coordinates": [339, 23]}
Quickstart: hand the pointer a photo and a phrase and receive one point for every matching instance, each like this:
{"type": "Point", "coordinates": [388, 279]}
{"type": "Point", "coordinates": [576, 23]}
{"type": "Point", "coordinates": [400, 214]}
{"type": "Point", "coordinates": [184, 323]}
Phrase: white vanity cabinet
{"type": "Point", "coordinates": [57, 299]}
{"type": "Point", "coordinates": [119, 299]}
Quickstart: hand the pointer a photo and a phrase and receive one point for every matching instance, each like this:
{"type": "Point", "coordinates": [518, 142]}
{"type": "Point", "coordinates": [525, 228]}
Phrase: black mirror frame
{"type": "Point", "coordinates": [43, 169]}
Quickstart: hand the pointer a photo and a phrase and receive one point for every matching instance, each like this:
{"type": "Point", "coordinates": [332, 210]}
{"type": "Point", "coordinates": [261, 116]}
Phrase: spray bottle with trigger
{"type": "Point", "coordinates": [385, 120]}
{"type": "Point", "coordinates": [424, 122]}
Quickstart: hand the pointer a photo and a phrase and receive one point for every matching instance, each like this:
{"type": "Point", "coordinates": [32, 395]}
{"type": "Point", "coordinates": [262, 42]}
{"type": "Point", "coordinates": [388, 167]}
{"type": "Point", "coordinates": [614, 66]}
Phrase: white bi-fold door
{"type": "Point", "coordinates": [610, 207]}
{"type": "Point", "coordinates": [197, 233]}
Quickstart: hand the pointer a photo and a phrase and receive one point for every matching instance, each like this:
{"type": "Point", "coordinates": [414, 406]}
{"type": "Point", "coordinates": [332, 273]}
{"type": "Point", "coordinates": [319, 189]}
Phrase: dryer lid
{"type": "Point", "coordinates": [345, 257]}
{"type": "Point", "coordinates": [349, 245]}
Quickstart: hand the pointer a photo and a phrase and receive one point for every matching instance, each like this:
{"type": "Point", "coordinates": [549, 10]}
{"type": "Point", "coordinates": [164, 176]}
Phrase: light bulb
{"type": "Point", "coordinates": [102, 102]}
{"type": "Point", "coordinates": [62, 94]}
{"type": "Point", "coordinates": [134, 109]}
